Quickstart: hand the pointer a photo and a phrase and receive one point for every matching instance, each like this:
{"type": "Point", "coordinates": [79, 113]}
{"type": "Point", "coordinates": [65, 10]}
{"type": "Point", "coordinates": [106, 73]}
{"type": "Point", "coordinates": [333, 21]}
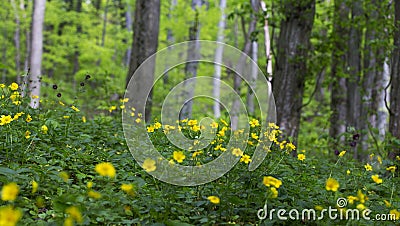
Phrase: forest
{"type": "Point", "coordinates": [200, 112]}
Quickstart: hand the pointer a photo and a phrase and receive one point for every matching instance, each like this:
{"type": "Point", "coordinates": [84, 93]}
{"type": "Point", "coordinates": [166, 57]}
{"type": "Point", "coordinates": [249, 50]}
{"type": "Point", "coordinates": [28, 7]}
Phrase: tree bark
{"type": "Point", "coordinates": [37, 51]}
{"type": "Point", "coordinates": [145, 42]}
{"type": "Point", "coordinates": [338, 68]}
{"type": "Point", "coordinates": [253, 78]}
{"type": "Point", "coordinates": [218, 58]}
{"type": "Point", "coordinates": [237, 80]}
{"type": "Point", "coordinates": [191, 66]}
{"type": "Point", "coordinates": [291, 67]}
{"type": "Point", "coordinates": [170, 40]}
{"type": "Point", "coordinates": [394, 121]}
{"type": "Point", "coordinates": [17, 41]}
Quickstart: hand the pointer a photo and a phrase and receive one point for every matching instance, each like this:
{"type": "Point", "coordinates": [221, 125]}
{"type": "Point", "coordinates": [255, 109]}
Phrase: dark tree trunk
{"type": "Point", "coordinates": [291, 63]}
{"type": "Point", "coordinates": [145, 42]}
{"type": "Point", "coordinates": [394, 122]}
{"type": "Point", "coordinates": [339, 89]}
{"type": "Point", "coordinates": [354, 66]}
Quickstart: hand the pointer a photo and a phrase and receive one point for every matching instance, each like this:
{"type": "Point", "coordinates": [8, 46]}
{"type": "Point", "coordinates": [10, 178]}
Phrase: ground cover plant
{"type": "Point", "coordinates": [60, 166]}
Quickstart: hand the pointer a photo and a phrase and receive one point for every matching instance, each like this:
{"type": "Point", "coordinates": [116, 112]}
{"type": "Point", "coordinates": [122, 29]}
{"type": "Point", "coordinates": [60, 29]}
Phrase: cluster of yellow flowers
{"type": "Point", "coordinates": [272, 183]}
{"type": "Point", "coordinates": [15, 96]}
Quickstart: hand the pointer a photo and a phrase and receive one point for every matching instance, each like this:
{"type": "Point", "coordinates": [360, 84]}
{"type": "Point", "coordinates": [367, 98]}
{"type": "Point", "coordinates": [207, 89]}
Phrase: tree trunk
{"type": "Point", "coordinates": [394, 121]}
{"type": "Point", "coordinates": [27, 53]}
{"type": "Point", "coordinates": [253, 79]}
{"type": "Point", "coordinates": [338, 68]}
{"type": "Point", "coordinates": [354, 70]}
{"type": "Point", "coordinates": [37, 51]}
{"type": "Point", "coordinates": [291, 67]}
{"type": "Point", "coordinates": [218, 58]}
{"type": "Point", "coordinates": [239, 68]}
{"type": "Point", "coordinates": [170, 40]}
{"type": "Point", "coordinates": [128, 25]}
{"type": "Point", "coordinates": [191, 66]}
{"type": "Point", "coordinates": [17, 40]}
{"type": "Point", "coordinates": [145, 42]}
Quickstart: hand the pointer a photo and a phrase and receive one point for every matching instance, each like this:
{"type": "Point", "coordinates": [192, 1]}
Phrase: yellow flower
{"type": "Point", "coordinates": [268, 181]}
{"type": "Point", "coordinates": [290, 146]}
{"type": "Point", "coordinates": [368, 167]}
{"type": "Point", "coordinates": [348, 172]}
{"type": "Point", "coordinates": [9, 192]}
{"type": "Point", "coordinates": [273, 125]}
{"type": "Point", "coordinates": [398, 158]}
{"type": "Point", "coordinates": [34, 97]}
{"type": "Point", "coordinates": [360, 207]}
{"type": "Point", "coordinates": [192, 122]}
{"type": "Point", "coordinates": [138, 120]}
{"type": "Point", "coordinates": [282, 145]}
{"type": "Point", "coordinates": [157, 125]}
{"type": "Point", "coordinates": [128, 188]}
{"type": "Point", "coordinates": [83, 119]}
{"type": "Point", "coordinates": [94, 194]}
{"type": "Point", "coordinates": [69, 221]}
{"type": "Point", "coordinates": [237, 152]}
{"type": "Point", "coordinates": [214, 125]}
{"type": "Point", "coordinates": [179, 156]}
{"type": "Point", "coordinates": [35, 187]}
{"type": "Point", "coordinates": [391, 169]}
{"type": "Point", "coordinates": [361, 197]}
{"type": "Point", "coordinates": [150, 129]}
{"type": "Point", "coordinates": [124, 100]}
{"type": "Point", "coordinates": [224, 122]}
{"type": "Point", "coordinates": [61, 103]}
{"type": "Point", "coordinates": [75, 108]}
{"type": "Point", "coordinates": [27, 134]}
{"type": "Point", "coordinates": [196, 153]}
{"type": "Point", "coordinates": [28, 118]}
{"type": "Point", "coordinates": [341, 154]}
{"type": "Point", "coordinates": [66, 116]}
{"type": "Point", "coordinates": [351, 199]}
{"type": "Point", "coordinates": [105, 169]}
{"type": "Point", "coordinates": [89, 184]}
{"type": "Point", "coordinates": [214, 199]}
{"type": "Point", "coordinates": [371, 156]}
{"type": "Point", "coordinates": [4, 120]}
{"type": "Point", "coordinates": [387, 204]}
{"type": "Point", "coordinates": [16, 116]}
{"type": "Point", "coordinates": [379, 159]}
{"type": "Point", "coordinates": [13, 86]}
{"type": "Point", "coordinates": [122, 106]}
{"type": "Point", "coordinates": [44, 129]}
{"type": "Point", "coordinates": [274, 192]}
{"type": "Point", "coordinates": [9, 216]}
{"type": "Point", "coordinates": [331, 185]}
{"type": "Point", "coordinates": [254, 136]}
{"type": "Point", "coordinates": [74, 214]}
{"type": "Point", "coordinates": [395, 213]}
{"type": "Point", "coordinates": [245, 158]}
{"type": "Point", "coordinates": [376, 179]}
{"type": "Point", "coordinates": [64, 175]}
{"type": "Point", "coordinates": [149, 165]}
{"type": "Point", "coordinates": [301, 157]}
{"type": "Point", "coordinates": [16, 102]}
{"type": "Point", "coordinates": [112, 108]}
{"type": "Point", "coordinates": [2, 86]}
{"type": "Point", "coordinates": [195, 128]}
{"type": "Point", "coordinates": [254, 122]}
{"type": "Point", "coordinates": [318, 207]}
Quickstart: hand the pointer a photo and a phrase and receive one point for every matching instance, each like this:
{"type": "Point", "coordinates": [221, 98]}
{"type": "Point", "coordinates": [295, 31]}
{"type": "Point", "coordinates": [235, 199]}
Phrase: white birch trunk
{"type": "Point", "coordinates": [218, 59]}
{"type": "Point", "coordinates": [37, 50]}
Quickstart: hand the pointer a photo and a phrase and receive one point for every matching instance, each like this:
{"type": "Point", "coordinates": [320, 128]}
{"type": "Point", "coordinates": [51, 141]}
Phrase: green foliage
{"type": "Point", "coordinates": [62, 157]}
